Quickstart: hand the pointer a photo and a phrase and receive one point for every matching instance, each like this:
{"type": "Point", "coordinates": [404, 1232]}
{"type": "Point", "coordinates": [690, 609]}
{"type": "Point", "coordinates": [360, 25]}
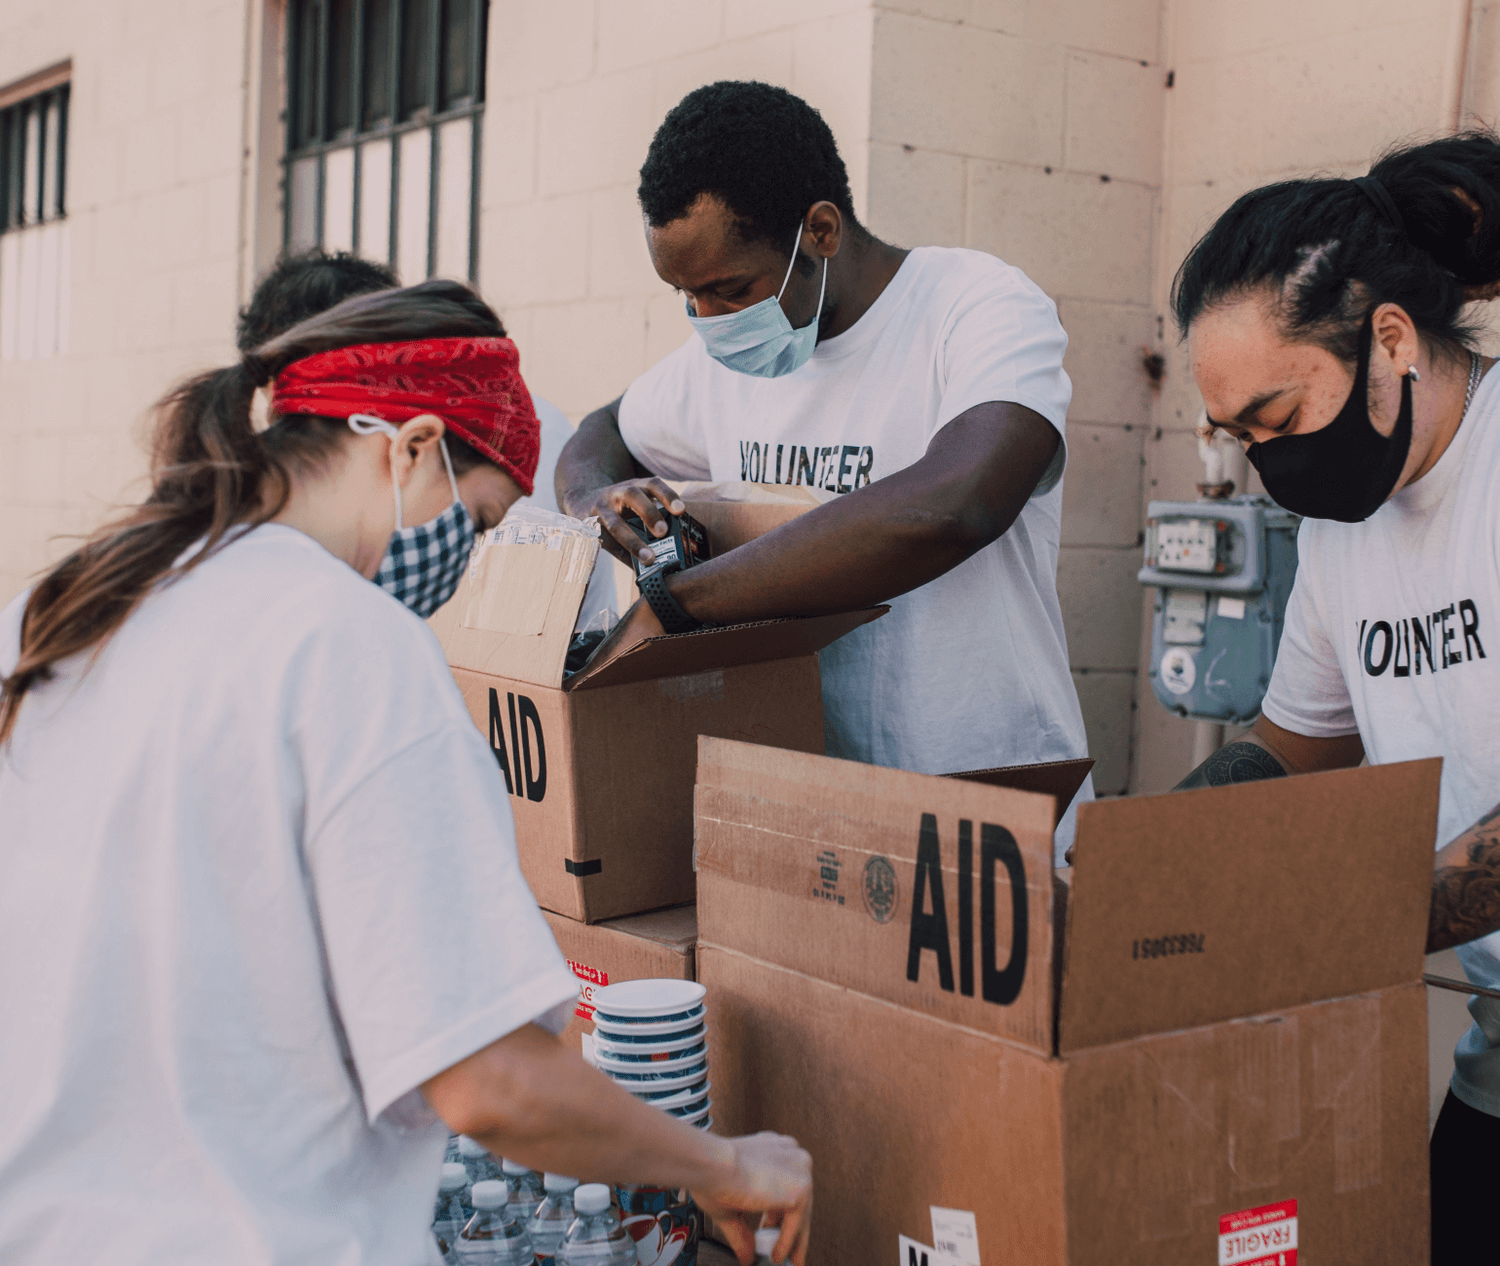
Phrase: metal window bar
{"type": "Point", "coordinates": [357, 113]}
{"type": "Point", "coordinates": [63, 94]}
{"type": "Point", "coordinates": [41, 159]}
{"type": "Point", "coordinates": [20, 205]}
{"type": "Point", "coordinates": [435, 9]}
{"type": "Point", "coordinates": [394, 73]}
{"type": "Point", "coordinates": [321, 126]}
{"type": "Point", "coordinates": [429, 113]}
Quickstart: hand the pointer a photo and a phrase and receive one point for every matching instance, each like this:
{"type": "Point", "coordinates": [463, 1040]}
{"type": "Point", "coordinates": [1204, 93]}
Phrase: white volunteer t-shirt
{"type": "Point", "coordinates": [556, 431]}
{"type": "Point", "coordinates": [260, 882]}
{"type": "Point", "coordinates": [971, 670]}
{"type": "Point", "coordinates": [1393, 631]}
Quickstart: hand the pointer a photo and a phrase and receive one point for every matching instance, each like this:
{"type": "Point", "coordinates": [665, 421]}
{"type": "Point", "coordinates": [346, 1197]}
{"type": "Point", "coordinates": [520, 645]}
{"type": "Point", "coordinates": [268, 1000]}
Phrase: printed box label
{"type": "Point", "coordinates": [956, 1233]}
{"type": "Point", "coordinates": [1266, 1236]}
{"type": "Point", "coordinates": [593, 978]}
{"type": "Point", "coordinates": [915, 1253]}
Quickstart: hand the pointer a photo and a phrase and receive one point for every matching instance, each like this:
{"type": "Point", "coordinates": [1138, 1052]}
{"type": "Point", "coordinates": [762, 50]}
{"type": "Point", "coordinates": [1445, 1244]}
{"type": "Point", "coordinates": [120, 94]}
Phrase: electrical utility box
{"type": "Point", "coordinates": [1222, 571]}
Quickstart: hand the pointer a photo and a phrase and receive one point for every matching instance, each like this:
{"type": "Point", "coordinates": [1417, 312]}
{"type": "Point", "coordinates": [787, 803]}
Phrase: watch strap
{"type": "Point", "coordinates": [673, 618]}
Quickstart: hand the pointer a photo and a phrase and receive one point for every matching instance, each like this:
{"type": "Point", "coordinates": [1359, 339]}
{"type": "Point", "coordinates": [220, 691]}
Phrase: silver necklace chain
{"type": "Point", "coordinates": [1474, 365]}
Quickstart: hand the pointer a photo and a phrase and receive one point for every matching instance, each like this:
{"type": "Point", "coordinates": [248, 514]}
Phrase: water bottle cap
{"type": "Point", "coordinates": [514, 1168]}
{"type": "Point", "coordinates": [765, 1240]}
{"type": "Point", "coordinates": [592, 1197]}
{"type": "Point", "coordinates": [454, 1177]}
{"type": "Point", "coordinates": [490, 1194]}
{"type": "Point", "coordinates": [558, 1183]}
{"type": "Point", "coordinates": [468, 1147]}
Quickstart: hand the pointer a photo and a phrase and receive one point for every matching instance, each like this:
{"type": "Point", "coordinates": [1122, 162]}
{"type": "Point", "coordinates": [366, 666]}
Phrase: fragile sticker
{"type": "Point", "coordinates": [1266, 1236]}
{"type": "Point", "coordinates": [593, 978]}
{"type": "Point", "coordinates": [915, 1253]}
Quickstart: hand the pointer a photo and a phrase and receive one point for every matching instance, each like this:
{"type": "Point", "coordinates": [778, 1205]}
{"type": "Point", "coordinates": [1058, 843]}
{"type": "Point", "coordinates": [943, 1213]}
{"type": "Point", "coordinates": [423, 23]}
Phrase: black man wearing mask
{"type": "Point", "coordinates": [924, 388]}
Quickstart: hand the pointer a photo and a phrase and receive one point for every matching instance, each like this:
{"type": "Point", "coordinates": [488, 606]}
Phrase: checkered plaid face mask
{"type": "Point", "coordinates": [423, 564]}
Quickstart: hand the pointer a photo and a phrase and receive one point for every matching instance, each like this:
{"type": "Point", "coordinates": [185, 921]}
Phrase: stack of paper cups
{"type": "Point", "coordinates": [650, 1037]}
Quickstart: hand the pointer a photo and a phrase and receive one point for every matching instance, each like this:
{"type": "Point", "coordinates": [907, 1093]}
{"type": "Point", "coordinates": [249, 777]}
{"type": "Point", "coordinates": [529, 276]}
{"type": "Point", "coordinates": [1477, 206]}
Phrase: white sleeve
{"type": "Point", "coordinates": [1308, 694]}
{"type": "Point", "coordinates": [435, 946]}
{"type": "Point", "coordinates": [1005, 343]}
{"type": "Point", "coordinates": [556, 431]}
{"type": "Point", "coordinates": [10, 632]}
{"type": "Point", "coordinates": [661, 416]}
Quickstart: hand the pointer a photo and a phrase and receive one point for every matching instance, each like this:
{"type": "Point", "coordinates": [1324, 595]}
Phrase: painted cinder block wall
{"type": "Point", "coordinates": [1044, 132]}
{"type": "Point", "coordinates": [154, 225]}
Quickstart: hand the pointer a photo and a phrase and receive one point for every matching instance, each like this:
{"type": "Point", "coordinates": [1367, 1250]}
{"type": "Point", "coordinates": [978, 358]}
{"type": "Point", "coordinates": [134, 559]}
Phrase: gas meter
{"type": "Point", "coordinates": [1223, 571]}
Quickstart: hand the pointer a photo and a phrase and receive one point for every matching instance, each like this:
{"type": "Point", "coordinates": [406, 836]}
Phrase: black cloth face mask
{"type": "Point", "coordinates": [1346, 470]}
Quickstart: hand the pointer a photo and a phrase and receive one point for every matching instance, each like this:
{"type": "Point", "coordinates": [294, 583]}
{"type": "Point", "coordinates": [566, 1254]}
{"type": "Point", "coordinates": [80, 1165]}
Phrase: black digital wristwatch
{"type": "Point", "coordinates": [673, 618]}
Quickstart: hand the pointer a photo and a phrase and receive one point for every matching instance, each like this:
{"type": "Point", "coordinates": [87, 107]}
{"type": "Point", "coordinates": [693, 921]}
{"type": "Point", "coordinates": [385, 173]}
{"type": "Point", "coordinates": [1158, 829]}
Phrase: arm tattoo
{"type": "Point", "coordinates": [1466, 894]}
{"type": "Point", "coordinates": [1232, 763]}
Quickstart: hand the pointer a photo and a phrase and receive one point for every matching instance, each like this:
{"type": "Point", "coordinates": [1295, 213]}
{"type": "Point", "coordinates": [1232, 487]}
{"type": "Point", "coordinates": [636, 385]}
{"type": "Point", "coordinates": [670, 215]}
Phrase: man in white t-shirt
{"type": "Point", "coordinates": [923, 388]}
{"type": "Point", "coordinates": [1327, 329]}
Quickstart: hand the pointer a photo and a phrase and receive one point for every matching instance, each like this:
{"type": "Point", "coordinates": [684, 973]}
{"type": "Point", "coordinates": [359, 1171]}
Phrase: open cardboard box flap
{"type": "Point", "coordinates": [1059, 779]}
{"type": "Point", "coordinates": [683, 654]}
{"type": "Point", "coordinates": [515, 608]}
{"type": "Point", "coordinates": [926, 892]}
{"type": "Point", "coordinates": [1195, 907]}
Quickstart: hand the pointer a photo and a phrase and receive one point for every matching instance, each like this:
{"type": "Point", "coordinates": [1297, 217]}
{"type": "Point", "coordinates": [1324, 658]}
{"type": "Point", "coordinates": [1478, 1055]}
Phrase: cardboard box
{"type": "Point", "coordinates": [639, 947]}
{"type": "Point", "coordinates": [600, 766]}
{"type": "Point", "coordinates": [1225, 1060]}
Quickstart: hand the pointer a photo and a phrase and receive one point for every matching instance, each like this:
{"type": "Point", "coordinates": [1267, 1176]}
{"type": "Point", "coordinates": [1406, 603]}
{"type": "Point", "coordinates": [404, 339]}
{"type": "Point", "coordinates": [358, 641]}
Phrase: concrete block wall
{"type": "Point", "coordinates": [154, 147]}
{"type": "Point", "coordinates": [1034, 132]}
{"type": "Point", "coordinates": [1043, 133]}
{"type": "Point", "coordinates": [575, 90]}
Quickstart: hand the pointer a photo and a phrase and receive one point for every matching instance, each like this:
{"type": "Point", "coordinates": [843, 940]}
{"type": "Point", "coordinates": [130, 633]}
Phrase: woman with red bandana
{"type": "Point", "coordinates": [263, 935]}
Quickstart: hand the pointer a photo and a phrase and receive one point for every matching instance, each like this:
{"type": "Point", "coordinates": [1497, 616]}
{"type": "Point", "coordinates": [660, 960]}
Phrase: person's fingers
{"type": "Point", "coordinates": [738, 1231]}
{"type": "Point", "coordinates": [636, 497]}
{"type": "Point", "coordinates": [798, 1255]}
{"type": "Point", "coordinates": [664, 493]}
{"type": "Point", "coordinates": [624, 537]}
{"type": "Point", "coordinates": [791, 1223]}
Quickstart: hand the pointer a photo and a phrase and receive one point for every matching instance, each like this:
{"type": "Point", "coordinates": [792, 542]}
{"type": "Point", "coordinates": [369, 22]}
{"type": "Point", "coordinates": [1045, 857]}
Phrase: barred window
{"type": "Point", "coordinates": [34, 244]}
{"type": "Point", "coordinates": [385, 100]}
{"type": "Point", "coordinates": [33, 153]}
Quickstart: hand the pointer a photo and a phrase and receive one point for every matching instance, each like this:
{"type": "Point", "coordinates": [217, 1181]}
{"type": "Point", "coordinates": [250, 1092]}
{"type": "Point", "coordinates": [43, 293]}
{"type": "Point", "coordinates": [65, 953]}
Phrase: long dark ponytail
{"type": "Point", "coordinates": [1331, 250]}
{"type": "Point", "coordinates": [211, 471]}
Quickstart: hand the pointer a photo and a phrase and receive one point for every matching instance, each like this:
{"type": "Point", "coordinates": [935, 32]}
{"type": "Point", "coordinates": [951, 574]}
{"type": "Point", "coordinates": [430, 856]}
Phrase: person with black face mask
{"type": "Point", "coordinates": [1326, 325]}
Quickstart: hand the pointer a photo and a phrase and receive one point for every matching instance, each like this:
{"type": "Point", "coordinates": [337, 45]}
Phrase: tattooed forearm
{"type": "Point", "coordinates": [1466, 888]}
{"type": "Point", "coordinates": [1234, 762]}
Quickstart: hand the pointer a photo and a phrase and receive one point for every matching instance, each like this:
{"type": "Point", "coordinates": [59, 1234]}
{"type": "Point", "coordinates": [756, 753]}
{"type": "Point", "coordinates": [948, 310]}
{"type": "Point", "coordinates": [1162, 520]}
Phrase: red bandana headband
{"type": "Point", "coordinates": [473, 384]}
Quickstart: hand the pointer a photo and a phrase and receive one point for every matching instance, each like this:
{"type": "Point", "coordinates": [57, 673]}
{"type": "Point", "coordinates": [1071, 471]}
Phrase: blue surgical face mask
{"type": "Point", "coordinates": [759, 340]}
{"type": "Point", "coordinates": [423, 564]}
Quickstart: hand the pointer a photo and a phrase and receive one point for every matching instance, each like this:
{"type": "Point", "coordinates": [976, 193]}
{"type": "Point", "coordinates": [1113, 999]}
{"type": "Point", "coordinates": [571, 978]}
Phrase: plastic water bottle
{"type": "Point", "coordinates": [525, 1190]}
{"type": "Point", "coordinates": [552, 1219]}
{"type": "Point", "coordinates": [481, 1165]}
{"type": "Point", "coordinates": [452, 1154]}
{"type": "Point", "coordinates": [450, 1213]}
{"type": "Point", "coordinates": [765, 1242]}
{"type": "Point", "coordinates": [596, 1237]}
{"type": "Point", "coordinates": [493, 1237]}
